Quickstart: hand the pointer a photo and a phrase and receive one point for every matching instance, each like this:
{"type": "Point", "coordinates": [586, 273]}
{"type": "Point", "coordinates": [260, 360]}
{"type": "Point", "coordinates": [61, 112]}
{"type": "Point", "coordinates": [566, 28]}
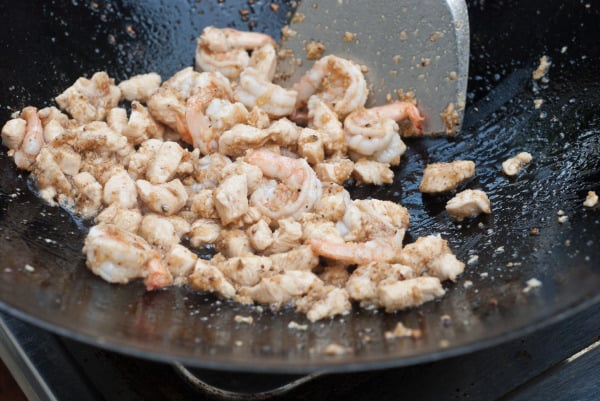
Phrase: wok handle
{"type": "Point", "coordinates": [281, 385]}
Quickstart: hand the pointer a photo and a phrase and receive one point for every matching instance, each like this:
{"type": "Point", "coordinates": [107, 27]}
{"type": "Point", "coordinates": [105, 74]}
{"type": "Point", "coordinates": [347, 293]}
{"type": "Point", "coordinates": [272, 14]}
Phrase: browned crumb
{"type": "Point", "coordinates": [130, 30]}
{"type": "Point", "coordinates": [450, 119]}
{"type": "Point", "coordinates": [401, 331]}
{"type": "Point", "coordinates": [243, 319]}
{"type": "Point", "coordinates": [336, 349]}
{"type": "Point", "coordinates": [298, 17]}
{"type": "Point", "coordinates": [285, 53]}
{"type": "Point", "coordinates": [296, 326]}
{"type": "Point", "coordinates": [274, 6]}
{"type": "Point", "coordinates": [435, 36]}
{"type": "Point", "coordinates": [542, 69]}
{"type": "Point", "coordinates": [537, 103]}
{"type": "Point", "coordinates": [349, 36]}
{"type": "Point", "coordinates": [403, 35]}
{"type": "Point", "coordinates": [396, 58]}
{"type": "Point", "coordinates": [534, 231]}
{"type": "Point", "coordinates": [425, 62]}
{"type": "Point", "coordinates": [452, 75]}
{"type": "Point", "coordinates": [287, 32]}
{"type": "Point", "coordinates": [591, 199]}
{"type": "Point", "coordinates": [314, 50]}
{"type": "Point", "coordinates": [364, 69]}
{"type": "Point", "coordinates": [244, 12]}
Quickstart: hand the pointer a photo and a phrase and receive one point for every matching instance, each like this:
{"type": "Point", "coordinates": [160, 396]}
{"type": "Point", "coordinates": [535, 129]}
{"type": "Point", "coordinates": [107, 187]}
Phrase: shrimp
{"type": "Point", "coordinates": [370, 131]}
{"type": "Point", "coordinates": [385, 249]}
{"type": "Point", "coordinates": [295, 190]}
{"type": "Point", "coordinates": [225, 50]}
{"type": "Point", "coordinates": [32, 141]}
{"type": "Point", "coordinates": [339, 82]}
{"type": "Point", "coordinates": [255, 90]}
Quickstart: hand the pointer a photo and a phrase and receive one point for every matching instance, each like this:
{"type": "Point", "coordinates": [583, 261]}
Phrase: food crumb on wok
{"type": "Point", "coordinates": [314, 50]}
{"type": "Point", "coordinates": [468, 284]}
{"type": "Point", "coordinates": [537, 103]}
{"type": "Point", "coordinates": [29, 268]}
{"type": "Point", "coordinates": [243, 319]}
{"type": "Point", "coordinates": [591, 199]}
{"type": "Point", "coordinates": [531, 284]}
{"type": "Point", "coordinates": [221, 157]}
{"type": "Point", "coordinates": [349, 36]}
{"type": "Point", "coordinates": [468, 203]}
{"type": "Point", "coordinates": [514, 165]}
{"type": "Point", "coordinates": [542, 68]}
{"type": "Point", "coordinates": [563, 219]}
{"type": "Point", "coordinates": [296, 326]}
{"type": "Point", "coordinates": [401, 331]}
{"type": "Point", "coordinates": [336, 350]}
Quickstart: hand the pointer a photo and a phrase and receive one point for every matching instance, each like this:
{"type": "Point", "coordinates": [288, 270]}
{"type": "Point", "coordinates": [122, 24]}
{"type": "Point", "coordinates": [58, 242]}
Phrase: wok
{"type": "Point", "coordinates": [47, 45]}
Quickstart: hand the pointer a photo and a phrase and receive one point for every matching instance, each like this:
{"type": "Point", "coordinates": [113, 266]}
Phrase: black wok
{"type": "Point", "coordinates": [47, 45]}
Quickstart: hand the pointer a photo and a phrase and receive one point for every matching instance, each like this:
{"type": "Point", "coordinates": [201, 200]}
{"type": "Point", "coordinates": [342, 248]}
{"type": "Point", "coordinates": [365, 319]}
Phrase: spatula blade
{"type": "Point", "coordinates": [419, 46]}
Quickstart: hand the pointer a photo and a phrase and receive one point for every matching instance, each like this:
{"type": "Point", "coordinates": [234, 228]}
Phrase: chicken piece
{"type": "Point", "coordinates": [326, 301]}
{"type": "Point", "coordinates": [117, 119]}
{"type": "Point", "coordinates": [316, 227]}
{"type": "Point", "coordinates": [140, 87]}
{"type": "Point", "coordinates": [335, 275]}
{"type": "Point", "coordinates": [260, 235]}
{"type": "Point", "coordinates": [591, 200]}
{"type": "Point", "coordinates": [49, 114]}
{"type": "Point", "coordinates": [363, 283]}
{"type": "Point", "coordinates": [90, 99]}
{"type": "Point", "coordinates": [53, 130]}
{"type": "Point", "coordinates": [287, 236]}
{"type": "Point", "coordinates": [253, 174]}
{"type": "Point", "coordinates": [231, 198]}
{"type": "Point", "coordinates": [67, 159]}
{"type": "Point", "coordinates": [283, 132]}
{"type": "Point", "coordinates": [514, 165]}
{"type": "Point", "coordinates": [96, 137]}
{"type": "Point", "coordinates": [332, 204]}
{"type": "Point", "coordinates": [125, 219]}
{"type": "Point", "coordinates": [166, 199]}
{"type": "Point", "coordinates": [185, 168]}
{"type": "Point", "coordinates": [299, 258]}
{"type": "Point", "coordinates": [310, 146]}
{"type": "Point", "coordinates": [141, 125]}
{"type": "Point", "coordinates": [158, 232]}
{"type": "Point", "coordinates": [444, 177]}
{"type": "Point", "coordinates": [224, 115]}
{"type": "Point", "coordinates": [237, 140]}
{"type": "Point", "coordinates": [209, 278]}
{"type": "Point", "coordinates": [233, 243]}
{"type": "Point", "coordinates": [87, 195]}
{"type": "Point", "coordinates": [202, 204]}
{"type": "Point", "coordinates": [468, 203]}
{"type": "Point", "coordinates": [336, 171]}
{"type": "Point", "coordinates": [432, 254]}
{"type": "Point", "coordinates": [13, 133]}
{"type": "Point", "coordinates": [373, 218]}
{"type": "Point", "coordinates": [208, 170]}
{"type": "Point", "coordinates": [163, 166]}
{"type": "Point", "coordinates": [204, 232]}
{"type": "Point", "coordinates": [258, 118]}
{"type": "Point", "coordinates": [397, 295]}
{"type": "Point", "coordinates": [372, 172]}
{"type": "Point", "coordinates": [323, 119]}
{"type": "Point", "coordinates": [52, 183]}
{"type": "Point", "coordinates": [181, 225]}
{"type": "Point", "coordinates": [120, 189]}
{"type": "Point", "coordinates": [247, 270]}
{"type": "Point", "coordinates": [119, 256]}
{"type": "Point", "coordinates": [140, 160]}
{"type": "Point", "coordinates": [180, 261]}
{"type": "Point", "coordinates": [281, 288]}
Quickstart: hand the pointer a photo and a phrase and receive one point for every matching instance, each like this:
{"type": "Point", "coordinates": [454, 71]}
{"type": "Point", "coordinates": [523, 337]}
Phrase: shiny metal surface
{"type": "Point", "coordinates": [47, 46]}
{"type": "Point", "coordinates": [419, 46]}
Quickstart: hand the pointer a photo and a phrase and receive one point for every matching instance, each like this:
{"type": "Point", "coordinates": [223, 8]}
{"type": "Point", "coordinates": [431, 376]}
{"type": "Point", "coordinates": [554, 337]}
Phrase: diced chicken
{"type": "Point", "coordinates": [372, 172]}
{"type": "Point", "coordinates": [328, 301]}
{"type": "Point", "coordinates": [120, 189]}
{"type": "Point", "coordinates": [336, 275]}
{"type": "Point", "coordinates": [203, 232]}
{"type": "Point", "coordinates": [233, 243]}
{"type": "Point", "coordinates": [87, 195]}
{"type": "Point", "coordinates": [140, 160]}
{"type": "Point", "coordinates": [514, 165]}
{"type": "Point", "coordinates": [468, 203]}
{"type": "Point", "coordinates": [96, 137]}
{"type": "Point", "coordinates": [364, 282]}
{"type": "Point", "coordinates": [119, 256]}
{"type": "Point", "coordinates": [373, 218]}
{"type": "Point", "coordinates": [224, 115]}
{"type": "Point", "coordinates": [208, 170]}
{"type": "Point", "coordinates": [51, 180]}
{"type": "Point", "coordinates": [117, 119]}
{"type": "Point", "coordinates": [209, 278]}
{"type": "Point", "coordinates": [283, 132]}
{"type": "Point", "coordinates": [90, 99]}
{"type": "Point", "coordinates": [67, 159]}
{"type": "Point", "coordinates": [444, 177]}
{"type": "Point", "coordinates": [300, 258]}
{"type": "Point", "coordinates": [140, 87]}
{"type": "Point", "coordinates": [53, 130]}
{"type": "Point", "coordinates": [231, 198]}
{"type": "Point", "coordinates": [163, 166]}
{"type": "Point", "coordinates": [181, 225]}
{"type": "Point", "coordinates": [202, 203]}
{"type": "Point", "coordinates": [260, 235]}
{"type": "Point", "coordinates": [333, 202]}
{"type": "Point", "coordinates": [397, 295]}
{"type": "Point", "coordinates": [287, 236]}
{"type": "Point", "coordinates": [247, 270]}
{"type": "Point", "coordinates": [125, 219]}
{"type": "Point", "coordinates": [325, 120]}
{"type": "Point", "coordinates": [158, 232]}
{"type": "Point", "coordinates": [13, 133]}
{"type": "Point", "coordinates": [180, 262]}
{"type": "Point", "coordinates": [167, 199]}
{"type": "Point", "coordinates": [235, 141]}
{"type": "Point", "coordinates": [591, 200]}
{"type": "Point", "coordinates": [253, 174]}
{"type": "Point", "coordinates": [310, 146]}
{"type": "Point", "coordinates": [141, 125]}
{"type": "Point", "coordinates": [314, 227]}
{"type": "Point", "coordinates": [49, 114]}
{"type": "Point", "coordinates": [433, 255]}
{"type": "Point", "coordinates": [281, 288]}
{"type": "Point", "coordinates": [336, 171]}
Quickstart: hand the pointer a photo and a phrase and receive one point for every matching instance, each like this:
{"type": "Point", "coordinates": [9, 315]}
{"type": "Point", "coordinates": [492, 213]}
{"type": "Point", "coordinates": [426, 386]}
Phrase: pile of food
{"type": "Point", "coordinates": [225, 158]}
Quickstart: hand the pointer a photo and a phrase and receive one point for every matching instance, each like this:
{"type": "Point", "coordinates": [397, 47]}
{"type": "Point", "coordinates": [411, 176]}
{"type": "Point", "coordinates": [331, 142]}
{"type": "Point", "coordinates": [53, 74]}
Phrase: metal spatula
{"type": "Point", "coordinates": [419, 46]}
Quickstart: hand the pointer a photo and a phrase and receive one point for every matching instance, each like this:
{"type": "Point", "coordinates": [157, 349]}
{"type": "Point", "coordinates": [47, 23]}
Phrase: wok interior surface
{"type": "Point", "coordinates": [47, 45]}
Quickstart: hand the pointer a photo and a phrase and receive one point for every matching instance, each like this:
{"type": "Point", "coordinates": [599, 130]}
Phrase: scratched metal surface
{"type": "Point", "coordinates": [47, 45]}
